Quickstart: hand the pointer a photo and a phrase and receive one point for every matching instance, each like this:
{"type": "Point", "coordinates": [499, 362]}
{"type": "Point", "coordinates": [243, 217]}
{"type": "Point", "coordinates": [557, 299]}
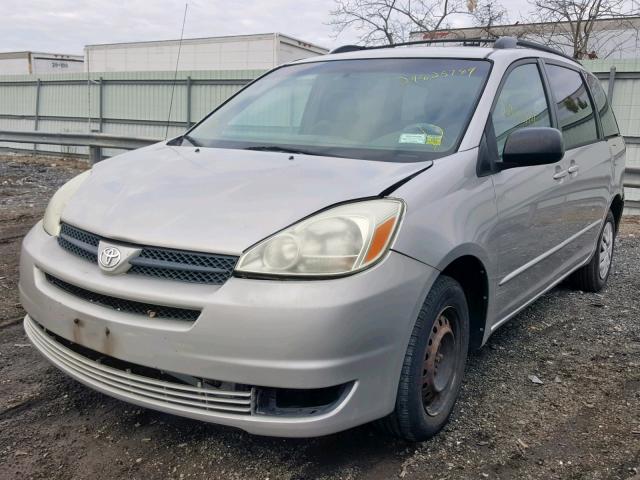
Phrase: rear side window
{"type": "Point", "coordinates": [575, 113]}
{"type": "Point", "coordinates": [608, 120]}
{"type": "Point", "coordinates": [521, 103]}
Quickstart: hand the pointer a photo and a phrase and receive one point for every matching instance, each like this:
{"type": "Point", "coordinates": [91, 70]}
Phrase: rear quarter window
{"type": "Point", "coordinates": [576, 119]}
{"type": "Point", "coordinates": [607, 118]}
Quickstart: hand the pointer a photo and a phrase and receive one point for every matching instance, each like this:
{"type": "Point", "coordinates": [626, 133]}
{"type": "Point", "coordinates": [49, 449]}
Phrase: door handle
{"type": "Point", "coordinates": [560, 175]}
{"type": "Point", "coordinates": [573, 169]}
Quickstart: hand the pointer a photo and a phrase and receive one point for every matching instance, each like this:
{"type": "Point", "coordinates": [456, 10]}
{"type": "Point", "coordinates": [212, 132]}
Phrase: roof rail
{"type": "Point", "coordinates": [498, 43]}
{"type": "Point", "coordinates": [544, 48]}
{"type": "Point", "coordinates": [513, 42]}
{"type": "Point", "coordinates": [469, 41]}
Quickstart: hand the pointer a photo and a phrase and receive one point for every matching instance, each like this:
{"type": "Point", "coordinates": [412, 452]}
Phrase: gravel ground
{"type": "Point", "coordinates": [581, 422]}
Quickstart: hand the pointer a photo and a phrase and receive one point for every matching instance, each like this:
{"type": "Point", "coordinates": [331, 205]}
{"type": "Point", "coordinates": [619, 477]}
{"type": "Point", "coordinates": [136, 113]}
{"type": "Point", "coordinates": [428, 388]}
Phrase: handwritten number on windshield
{"type": "Point", "coordinates": [424, 77]}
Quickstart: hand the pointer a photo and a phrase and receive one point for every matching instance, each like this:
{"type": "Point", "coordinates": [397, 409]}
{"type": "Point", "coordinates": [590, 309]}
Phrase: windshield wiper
{"type": "Point", "coordinates": [190, 139]}
{"type": "Point", "coordinates": [276, 148]}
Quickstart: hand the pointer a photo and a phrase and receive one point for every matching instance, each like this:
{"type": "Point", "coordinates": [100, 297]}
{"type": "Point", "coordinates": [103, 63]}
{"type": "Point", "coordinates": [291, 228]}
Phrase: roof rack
{"type": "Point", "coordinates": [466, 41]}
{"type": "Point", "coordinates": [498, 43]}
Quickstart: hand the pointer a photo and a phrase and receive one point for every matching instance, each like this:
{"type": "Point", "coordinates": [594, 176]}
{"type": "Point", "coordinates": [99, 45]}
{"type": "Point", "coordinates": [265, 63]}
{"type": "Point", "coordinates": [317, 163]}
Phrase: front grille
{"type": "Point", "coordinates": [80, 243]}
{"type": "Point", "coordinates": [171, 264]}
{"type": "Point", "coordinates": [183, 266]}
{"type": "Point", "coordinates": [123, 305]}
{"type": "Point", "coordinates": [142, 384]}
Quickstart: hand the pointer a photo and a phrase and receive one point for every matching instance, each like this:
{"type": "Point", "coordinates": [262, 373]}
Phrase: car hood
{"type": "Point", "coordinates": [218, 200]}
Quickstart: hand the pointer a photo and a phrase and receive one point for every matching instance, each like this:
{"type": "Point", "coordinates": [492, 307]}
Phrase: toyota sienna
{"type": "Point", "coordinates": [324, 248]}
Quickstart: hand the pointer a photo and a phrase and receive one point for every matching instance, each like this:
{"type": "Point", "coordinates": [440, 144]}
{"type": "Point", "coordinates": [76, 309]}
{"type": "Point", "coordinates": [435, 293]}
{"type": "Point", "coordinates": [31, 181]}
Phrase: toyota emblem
{"type": "Point", "coordinates": [109, 257]}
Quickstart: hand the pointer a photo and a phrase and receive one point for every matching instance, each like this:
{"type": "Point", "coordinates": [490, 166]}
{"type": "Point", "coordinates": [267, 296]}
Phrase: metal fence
{"type": "Point", "coordinates": [621, 80]}
{"type": "Point", "coordinates": [128, 103]}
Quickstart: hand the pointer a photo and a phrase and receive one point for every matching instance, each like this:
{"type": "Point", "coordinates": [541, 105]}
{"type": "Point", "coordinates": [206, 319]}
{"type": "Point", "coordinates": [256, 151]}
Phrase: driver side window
{"type": "Point", "coordinates": [521, 103]}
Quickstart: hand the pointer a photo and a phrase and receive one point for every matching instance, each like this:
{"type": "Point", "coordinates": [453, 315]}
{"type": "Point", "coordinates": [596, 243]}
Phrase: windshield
{"type": "Point", "coordinates": [401, 110]}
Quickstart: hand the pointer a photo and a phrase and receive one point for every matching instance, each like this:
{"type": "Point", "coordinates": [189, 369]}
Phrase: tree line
{"type": "Point", "coordinates": [570, 25]}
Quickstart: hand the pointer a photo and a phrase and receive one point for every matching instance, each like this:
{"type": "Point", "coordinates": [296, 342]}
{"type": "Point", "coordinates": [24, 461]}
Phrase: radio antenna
{"type": "Point", "coordinates": [175, 75]}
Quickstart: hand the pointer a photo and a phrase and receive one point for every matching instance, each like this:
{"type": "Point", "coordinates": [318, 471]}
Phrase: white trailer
{"type": "Point", "coordinates": [240, 52]}
{"type": "Point", "coordinates": [25, 63]}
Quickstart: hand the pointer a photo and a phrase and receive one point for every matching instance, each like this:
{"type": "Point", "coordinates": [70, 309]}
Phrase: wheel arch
{"type": "Point", "coordinates": [470, 272]}
{"type": "Point", "coordinates": [617, 207]}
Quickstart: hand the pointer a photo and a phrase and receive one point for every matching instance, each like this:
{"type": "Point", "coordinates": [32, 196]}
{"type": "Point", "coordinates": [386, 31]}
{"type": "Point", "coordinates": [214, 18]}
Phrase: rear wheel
{"type": "Point", "coordinates": [434, 364]}
{"type": "Point", "coordinates": [593, 276]}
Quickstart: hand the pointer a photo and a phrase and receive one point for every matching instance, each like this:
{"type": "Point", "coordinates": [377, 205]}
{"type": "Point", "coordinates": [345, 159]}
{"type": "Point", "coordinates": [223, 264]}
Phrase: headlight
{"type": "Point", "coordinates": [52, 214]}
{"type": "Point", "coordinates": [341, 240]}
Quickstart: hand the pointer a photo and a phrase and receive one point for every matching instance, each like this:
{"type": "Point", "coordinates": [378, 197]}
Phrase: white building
{"type": "Point", "coordinates": [610, 38]}
{"type": "Point", "coordinates": [25, 63]}
{"type": "Point", "coordinates": [241, 52]}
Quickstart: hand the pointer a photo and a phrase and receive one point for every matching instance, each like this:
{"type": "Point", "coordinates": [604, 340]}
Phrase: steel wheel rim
{"type": "Point", "coordinates": [441, 361]}
{"type": "Point", "coordinates": [606, 250]}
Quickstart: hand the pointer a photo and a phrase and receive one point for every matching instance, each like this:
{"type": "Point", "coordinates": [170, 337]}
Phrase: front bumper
{"type": "Point", "coordinates": [263, 333]}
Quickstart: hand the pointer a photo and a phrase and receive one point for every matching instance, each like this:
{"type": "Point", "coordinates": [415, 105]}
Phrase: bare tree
{"type": "Point", "coordinates": [574, 25]}
{"type": "Point", "coordinates": [391, 21]}
{"type": "Point", "coordinates": [489, 14]}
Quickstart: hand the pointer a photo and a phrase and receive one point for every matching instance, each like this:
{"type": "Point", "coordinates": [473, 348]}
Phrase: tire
{"type": "Point", "coordinates": [425, 400]}
{"type": "Point", "coordinates": [591, 277]}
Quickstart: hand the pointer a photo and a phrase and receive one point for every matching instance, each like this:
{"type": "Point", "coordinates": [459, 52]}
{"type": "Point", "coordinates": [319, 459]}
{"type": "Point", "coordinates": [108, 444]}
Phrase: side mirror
{"type": "Point", "coordinates": [532, 146]}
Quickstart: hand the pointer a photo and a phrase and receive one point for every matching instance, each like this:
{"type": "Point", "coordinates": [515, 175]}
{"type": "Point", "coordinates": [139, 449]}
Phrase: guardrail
{"type": "Point", "coordinates": [632, 177]}
{"type": "Point", "coordinates": [95, 141]}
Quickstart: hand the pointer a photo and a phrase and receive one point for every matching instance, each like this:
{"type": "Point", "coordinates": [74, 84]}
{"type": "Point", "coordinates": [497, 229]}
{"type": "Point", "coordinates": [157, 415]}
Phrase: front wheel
{"type": "Point", "coordinates": [593, 276]}
{"type": "Point", "coordinates": [434, 364]}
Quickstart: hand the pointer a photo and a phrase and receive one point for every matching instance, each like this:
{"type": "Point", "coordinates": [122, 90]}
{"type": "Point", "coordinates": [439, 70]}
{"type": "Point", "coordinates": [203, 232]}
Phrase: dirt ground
{"type": "Point", "coordinates": [582, 422]}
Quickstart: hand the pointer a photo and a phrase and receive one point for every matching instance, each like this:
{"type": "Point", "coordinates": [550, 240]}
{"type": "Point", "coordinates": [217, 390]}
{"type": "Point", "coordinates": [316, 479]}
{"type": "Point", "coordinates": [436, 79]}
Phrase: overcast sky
{"type": "Point", "coordinates": [66, 26]}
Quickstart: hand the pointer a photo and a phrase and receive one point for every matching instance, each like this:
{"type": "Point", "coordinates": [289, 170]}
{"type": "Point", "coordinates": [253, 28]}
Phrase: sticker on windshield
{"type": "Point", "coordinates": [423, 134]}
{"type": "Point", "coordinates": [434, 139]}
{"type": "Point", "coordinates": [420, 138]}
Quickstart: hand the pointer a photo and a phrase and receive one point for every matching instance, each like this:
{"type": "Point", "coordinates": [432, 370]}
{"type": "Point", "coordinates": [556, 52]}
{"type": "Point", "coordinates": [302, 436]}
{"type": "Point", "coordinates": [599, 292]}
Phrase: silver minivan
{"type": "Point", "coordinates": [324, 248]}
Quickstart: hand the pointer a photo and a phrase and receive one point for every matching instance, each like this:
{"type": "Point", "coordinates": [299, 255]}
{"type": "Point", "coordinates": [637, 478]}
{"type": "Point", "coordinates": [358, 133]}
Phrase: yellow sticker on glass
{"type": "Point", "coordinates": [434, 139]}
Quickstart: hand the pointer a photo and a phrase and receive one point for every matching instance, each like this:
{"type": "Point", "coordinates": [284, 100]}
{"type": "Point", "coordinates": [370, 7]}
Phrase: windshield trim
{"type": "Point", "coordinates": [428, 155]}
